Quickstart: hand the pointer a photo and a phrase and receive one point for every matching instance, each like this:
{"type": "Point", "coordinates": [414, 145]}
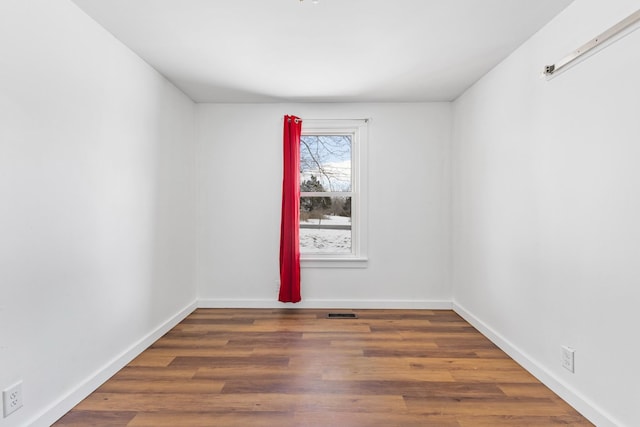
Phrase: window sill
{"type": "Point", "coordinates": [335, 262]}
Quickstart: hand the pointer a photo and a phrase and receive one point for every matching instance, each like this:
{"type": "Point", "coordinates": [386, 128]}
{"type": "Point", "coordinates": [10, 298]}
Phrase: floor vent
{"type": "Point", "coordinates": [342, 316]}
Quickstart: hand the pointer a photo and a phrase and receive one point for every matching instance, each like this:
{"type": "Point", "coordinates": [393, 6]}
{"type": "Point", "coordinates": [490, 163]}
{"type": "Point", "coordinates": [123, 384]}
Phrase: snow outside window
{"type": "Point", "coordinates": [332, 196]}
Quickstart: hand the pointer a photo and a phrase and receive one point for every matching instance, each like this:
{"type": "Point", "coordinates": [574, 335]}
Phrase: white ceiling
{"type": "Point", "coordinates": [333, 51]}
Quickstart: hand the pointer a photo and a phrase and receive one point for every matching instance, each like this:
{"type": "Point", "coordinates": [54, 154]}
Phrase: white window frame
{"type": "Point", "coordinates": [358, 130]}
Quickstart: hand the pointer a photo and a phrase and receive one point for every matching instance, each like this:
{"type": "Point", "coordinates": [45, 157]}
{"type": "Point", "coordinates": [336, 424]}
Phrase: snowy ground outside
{"type": "Point", "coordinates": [326, 240]}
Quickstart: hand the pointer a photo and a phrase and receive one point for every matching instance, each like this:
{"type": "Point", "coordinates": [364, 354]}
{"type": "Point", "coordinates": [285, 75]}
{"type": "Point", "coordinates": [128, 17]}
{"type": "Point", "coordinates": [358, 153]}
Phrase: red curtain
{"type": "Point", "coordinates": [290, 220]}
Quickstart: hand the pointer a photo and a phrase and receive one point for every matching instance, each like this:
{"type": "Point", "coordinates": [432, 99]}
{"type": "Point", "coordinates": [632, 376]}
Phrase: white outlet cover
{"type": "Point", "coordinates": [568, 355]}
{"type": "Point", "coordinates": [12, 399]}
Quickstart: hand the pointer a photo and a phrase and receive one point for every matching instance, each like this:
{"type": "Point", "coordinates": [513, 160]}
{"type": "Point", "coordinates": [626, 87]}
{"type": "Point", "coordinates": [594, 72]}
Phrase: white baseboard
{"type": "Point", "coordinates": [587, 408]}
{"type": "Point", "coordinates": [318, 303]}
{"type": "Point", "coordinates": [66, 403]}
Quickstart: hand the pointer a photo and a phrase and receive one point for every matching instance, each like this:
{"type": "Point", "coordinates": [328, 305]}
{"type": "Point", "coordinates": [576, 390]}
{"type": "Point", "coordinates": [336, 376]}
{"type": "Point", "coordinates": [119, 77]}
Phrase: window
{"type": "Point", "coordinates": [332, 196]}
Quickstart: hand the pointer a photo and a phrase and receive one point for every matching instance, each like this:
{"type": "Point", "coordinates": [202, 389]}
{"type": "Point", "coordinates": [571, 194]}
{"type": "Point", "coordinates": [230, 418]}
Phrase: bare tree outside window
{"type": "Point", "coordinates": [328, 157]}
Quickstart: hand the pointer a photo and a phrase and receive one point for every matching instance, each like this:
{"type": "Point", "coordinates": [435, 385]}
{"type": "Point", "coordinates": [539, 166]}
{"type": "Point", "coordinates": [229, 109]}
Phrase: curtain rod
{"type": "Point", "coordinates": [334, 120]}
{"type": "Point", "coordinates": [592, 44]}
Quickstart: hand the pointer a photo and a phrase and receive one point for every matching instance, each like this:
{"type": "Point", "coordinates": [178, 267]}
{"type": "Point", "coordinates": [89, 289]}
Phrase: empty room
{"type": "Point", "coordinates": [319, 212]}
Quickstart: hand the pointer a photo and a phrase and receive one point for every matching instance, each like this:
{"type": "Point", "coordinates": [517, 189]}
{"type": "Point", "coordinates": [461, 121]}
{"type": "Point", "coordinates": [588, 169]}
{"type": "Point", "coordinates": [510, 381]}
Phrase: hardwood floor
{"type": "Point", "coordinates": [246, 367]}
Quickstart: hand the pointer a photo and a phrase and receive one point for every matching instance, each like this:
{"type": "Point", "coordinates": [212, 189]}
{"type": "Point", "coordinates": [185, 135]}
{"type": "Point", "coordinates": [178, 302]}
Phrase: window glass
{"type": "Point", "coordinates": [325, 225]}
{"type": "Point", "coordinates": [325, 188]}
{"type": "Point", "coordinates": [325, 162]}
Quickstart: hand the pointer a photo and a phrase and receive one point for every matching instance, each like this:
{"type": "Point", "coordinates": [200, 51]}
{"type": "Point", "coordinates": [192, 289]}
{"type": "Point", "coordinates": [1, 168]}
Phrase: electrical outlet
{"type": "Point", "coordinates": [568, 355]}
{"type": "Point", "coordinates": [12, 399]}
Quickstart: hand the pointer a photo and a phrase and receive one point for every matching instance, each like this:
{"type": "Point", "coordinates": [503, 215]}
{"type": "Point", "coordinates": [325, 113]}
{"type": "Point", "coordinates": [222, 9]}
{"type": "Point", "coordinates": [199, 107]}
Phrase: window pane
{"type": "Point", "coordinates": [325, 224]}
{"type": "Point", "coordinates": [325, 163]}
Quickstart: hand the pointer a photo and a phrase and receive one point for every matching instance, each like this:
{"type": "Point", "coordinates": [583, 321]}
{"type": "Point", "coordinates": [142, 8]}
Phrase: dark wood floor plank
{"type": "Point", "coordinates": [374, 419]}
{"type": "Point", "coordinates": [340, 335]}
{"type": "Point", "coordinates": [199, 341]}
{"type": "Point", "coordinates": [412, 353]}
{"type": "Point", "coordinates": [208, 352]}
{"type": "Point", "coordinates": [482, 406]}
{"type": "Point", "coordinates": [138, 386]}
{"type": "Point", "coordinates": [79, 418]}
{"type": "Point", "coordinates": [519, 421]}
{"type": "Point", "coordinates": [154, 374]}
{"type": "Point", "coordinates": [224, 373]}
{"type": "Point", "coordinates": [212, 418]}
{"type": "Point", "coordinates": [328, 353]}
{"type": "Point", "coordinates": [247, 362]}
{"type": "Point", "coordinates": [267, 367]}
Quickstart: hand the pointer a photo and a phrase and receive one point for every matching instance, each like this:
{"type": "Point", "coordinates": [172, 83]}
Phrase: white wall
{"type": "Point", "coordinates": [240, 178]}
{"type": "Point", "coordinates": [546, 208]}
{"type": "Point", "coordinates": [97, 190]}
